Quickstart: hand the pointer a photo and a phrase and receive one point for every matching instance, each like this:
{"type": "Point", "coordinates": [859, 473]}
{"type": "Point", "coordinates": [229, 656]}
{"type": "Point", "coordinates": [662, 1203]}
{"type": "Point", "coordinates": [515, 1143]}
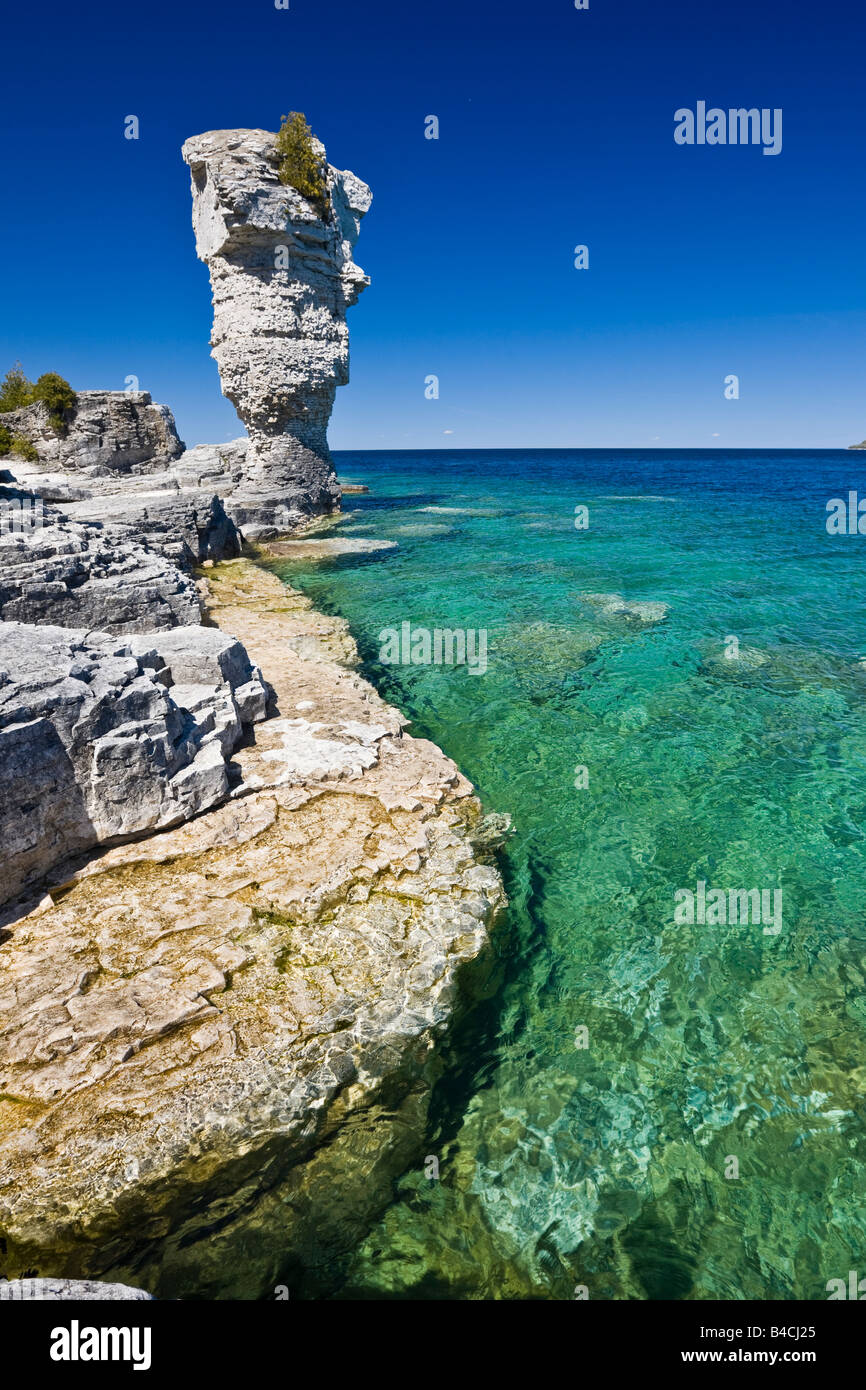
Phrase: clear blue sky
{"type": "Point", "coordinates": [556, 129]}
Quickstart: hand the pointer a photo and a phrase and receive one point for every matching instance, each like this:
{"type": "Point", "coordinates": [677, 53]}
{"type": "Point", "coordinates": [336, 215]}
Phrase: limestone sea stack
{"type": "Point", "coordinates": [282, 276]}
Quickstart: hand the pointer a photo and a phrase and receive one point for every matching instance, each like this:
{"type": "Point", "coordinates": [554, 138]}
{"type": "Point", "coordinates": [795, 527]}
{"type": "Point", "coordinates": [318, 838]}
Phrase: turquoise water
{"type": "Point", "coordinates": [711, 1050]}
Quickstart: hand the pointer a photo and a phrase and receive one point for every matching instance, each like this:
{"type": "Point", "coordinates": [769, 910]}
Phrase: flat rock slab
{"type": "Point", "coordinates": [218, 1042]}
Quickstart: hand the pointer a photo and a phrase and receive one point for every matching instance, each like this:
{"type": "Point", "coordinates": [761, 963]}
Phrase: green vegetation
{"type": "Point", "coordinates": [24, 448]}
{"type": "Point", "coordinates": [58, 395]}
{"type": "Point", "coordinates": [16, 392]}
{"type": "Point", "coordinates": [15, 389]}
{"type": "Point", "coordinates": [300, 165]}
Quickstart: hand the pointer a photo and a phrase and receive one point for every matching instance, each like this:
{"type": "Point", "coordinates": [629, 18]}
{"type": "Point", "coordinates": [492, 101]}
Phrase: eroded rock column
{"type": "Point", "coordinates": [282, 277]}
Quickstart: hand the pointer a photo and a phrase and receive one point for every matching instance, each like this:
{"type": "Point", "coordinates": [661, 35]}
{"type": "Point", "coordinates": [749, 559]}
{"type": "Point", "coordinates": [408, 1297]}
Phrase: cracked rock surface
{"type": "Point", "coordinates": [79, 575]}
{"type": "Point", "coordinates": [107, 432]}
{"type": "Point", "coordinates": [218, 1042]}
{"type": "Point", "coordinates": [103, 737]}
{"type": "Point", "coordinates": [68, 1290]}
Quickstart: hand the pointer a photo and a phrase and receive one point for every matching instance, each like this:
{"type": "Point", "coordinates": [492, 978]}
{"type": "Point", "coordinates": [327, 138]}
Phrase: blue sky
{"type": "Point", "coordinates": [556, 129]}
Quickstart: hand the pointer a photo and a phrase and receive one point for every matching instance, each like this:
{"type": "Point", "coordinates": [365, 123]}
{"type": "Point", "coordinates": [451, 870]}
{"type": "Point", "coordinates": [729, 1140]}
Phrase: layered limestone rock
{"type": "Point", "coordinates": [104, 737]}
{"type": "Point", "coordinates": [116, 461]}
{"type": "Point", "coordinates": [185, 524]}
{"type": "Point", "coordinates": [77, 575]}
{"type": "Point", "coordinates": [217, 1044]}
{"type": "Point", "coordinates": [107, 432]}
{"type": "Point", "coordinates": [282, 278]}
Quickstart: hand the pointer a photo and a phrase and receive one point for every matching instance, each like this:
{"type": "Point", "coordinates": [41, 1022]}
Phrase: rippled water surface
{"type": "Point", "coordinates": [710, 1047]}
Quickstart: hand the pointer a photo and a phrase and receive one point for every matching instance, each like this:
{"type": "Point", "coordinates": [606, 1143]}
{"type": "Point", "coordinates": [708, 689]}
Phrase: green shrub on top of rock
{"type": "Point", "coordinates": [15, 390]}
{"type": "Point", "coordinates": [58, 395]}
{"type": "Point", "coordinates": [300, 165]}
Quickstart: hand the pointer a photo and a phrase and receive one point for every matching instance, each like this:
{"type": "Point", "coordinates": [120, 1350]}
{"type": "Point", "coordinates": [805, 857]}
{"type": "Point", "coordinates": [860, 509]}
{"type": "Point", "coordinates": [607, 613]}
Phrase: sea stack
{"type": "Point", "coordinates": [282, 276]}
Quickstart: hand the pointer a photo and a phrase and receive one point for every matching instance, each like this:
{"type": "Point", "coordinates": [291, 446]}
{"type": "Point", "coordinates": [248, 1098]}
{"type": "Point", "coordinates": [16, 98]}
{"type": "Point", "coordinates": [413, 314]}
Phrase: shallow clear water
{"type": "Point", "coordinates": [709, 1046]}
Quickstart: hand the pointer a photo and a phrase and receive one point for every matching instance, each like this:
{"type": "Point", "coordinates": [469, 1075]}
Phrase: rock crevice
{"type": "Point", "coordinates": [105, 738]}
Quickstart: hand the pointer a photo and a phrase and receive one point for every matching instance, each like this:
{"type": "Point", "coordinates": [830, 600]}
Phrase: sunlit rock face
{"type": "Point", "coordinates": [218, 1041]}
{"type": "Point", "coordinates": [282, 278]}
{"type": "Point", "coordinates": [108, 737]}
{"type": "Point", "coordinates": [108, 434]}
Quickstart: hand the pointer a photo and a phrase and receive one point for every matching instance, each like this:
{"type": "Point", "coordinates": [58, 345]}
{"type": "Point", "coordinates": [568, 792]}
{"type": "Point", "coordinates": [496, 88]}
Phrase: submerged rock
{"type": "Point", "coordinates": [326, 547]}
{"type": "Point", "coordinates": [615, 606]}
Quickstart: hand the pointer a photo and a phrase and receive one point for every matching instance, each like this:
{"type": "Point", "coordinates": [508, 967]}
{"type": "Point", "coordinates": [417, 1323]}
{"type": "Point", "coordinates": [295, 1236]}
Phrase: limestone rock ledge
{"type": "Point", "coordinates": [105, 737]}
{"type": "Point", "coordinates": [117, 464]}
{"type": "Point", "coordinates": [79, 575]}
{"type": "Point", "coordinates": [107, 432]}
{"type": "Point", "coordinates": [217, 1043]}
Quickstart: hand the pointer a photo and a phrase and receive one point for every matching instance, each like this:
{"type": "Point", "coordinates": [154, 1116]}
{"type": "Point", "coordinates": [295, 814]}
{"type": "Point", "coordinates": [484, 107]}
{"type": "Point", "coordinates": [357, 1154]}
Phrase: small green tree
{"type": "Point", "coordinates": [15, 389]}
{"type": "Point", "coordinates": [300, 165]}
{"type": "Point", "coordinates": [24, 448]}
{"type": "Point", "coordinates": [5, 440]}
{"type": "Point", "coordinates": [58, 395]}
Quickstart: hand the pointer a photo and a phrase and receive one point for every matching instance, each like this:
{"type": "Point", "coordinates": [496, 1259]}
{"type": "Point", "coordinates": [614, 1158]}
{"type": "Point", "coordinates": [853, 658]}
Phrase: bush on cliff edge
{"type": "Point", "coordinates": [56, 393]}
{"type": "Point", "coordinates": [300, 165]}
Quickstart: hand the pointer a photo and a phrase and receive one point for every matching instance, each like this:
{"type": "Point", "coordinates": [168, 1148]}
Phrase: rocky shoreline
{"type": "Point", "coordinates": [239, 905]}
{"type": "Point", "coordinates": [218, 1041]}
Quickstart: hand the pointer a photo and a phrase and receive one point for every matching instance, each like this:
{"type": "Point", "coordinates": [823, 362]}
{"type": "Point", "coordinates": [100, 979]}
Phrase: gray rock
{"type": "Point", "coordinates": [114, 464]}
{"type": "Point", "coordinates": [75, 1290]}
{"type": "Point", "coordinates": [108, 432]}
{"type": "Point", "coordinates": [186, 526]}
{"type": "Point", "coordinates": [104, 738]}
{"type": "Point", "coordinates": [282, 279]}
{"type": "Point", "coordinates": [79, 575]}
{"type": "Point", "coordinates": [185, 529]}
